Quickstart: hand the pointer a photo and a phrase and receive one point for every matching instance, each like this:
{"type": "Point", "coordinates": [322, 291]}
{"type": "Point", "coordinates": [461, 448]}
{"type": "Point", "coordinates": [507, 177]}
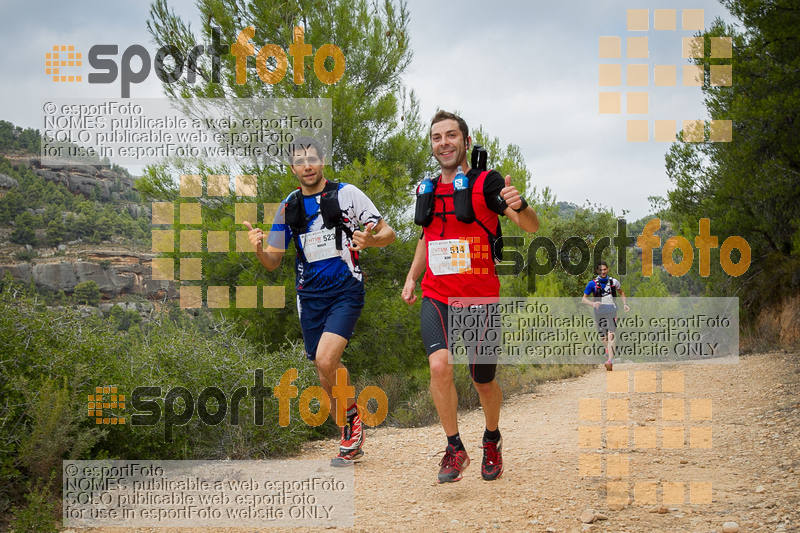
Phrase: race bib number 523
{"type": "Point", "coordinates": [319, 245]}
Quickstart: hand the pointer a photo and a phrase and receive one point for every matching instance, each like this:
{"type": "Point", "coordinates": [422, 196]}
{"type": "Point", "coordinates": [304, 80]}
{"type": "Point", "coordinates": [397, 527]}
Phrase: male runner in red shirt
{"type": "Point", "coordinates": [490, 196]}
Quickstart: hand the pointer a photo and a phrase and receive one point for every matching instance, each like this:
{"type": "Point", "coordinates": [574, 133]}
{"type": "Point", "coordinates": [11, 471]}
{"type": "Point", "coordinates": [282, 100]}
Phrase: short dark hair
{"type": "Point", "coordinates": [300, 144]}
{"type": "Point", "coordinates": [599, 264]}
{"type": "Point", "coordinates": [444, 115]}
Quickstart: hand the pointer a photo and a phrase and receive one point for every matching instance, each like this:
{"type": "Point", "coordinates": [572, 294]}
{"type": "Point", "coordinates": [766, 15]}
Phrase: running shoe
{"type": "Point", "coordinates": [492, 464]}
{"type": "Point", "coordinates": [453, 464]}
{"type": "Point", "coordinates": [609, 366]}
{"type": "Point", "coordinates": [347, 457]}
{"type": "Point", "coordinates": [352, 441]}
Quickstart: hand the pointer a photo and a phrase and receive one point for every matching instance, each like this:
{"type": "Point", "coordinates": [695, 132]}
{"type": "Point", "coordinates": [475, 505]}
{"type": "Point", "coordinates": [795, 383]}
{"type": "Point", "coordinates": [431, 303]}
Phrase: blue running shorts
{"type": "Point", "coordinates": [337, 314]}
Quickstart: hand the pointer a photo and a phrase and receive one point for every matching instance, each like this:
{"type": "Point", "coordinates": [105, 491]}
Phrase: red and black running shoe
{"type": "Point", "coordinates": [492, 464]}
{"type": "Point", "coordinates": [453, 464]}
{"type": "Point", "coordinates": [352, 440]}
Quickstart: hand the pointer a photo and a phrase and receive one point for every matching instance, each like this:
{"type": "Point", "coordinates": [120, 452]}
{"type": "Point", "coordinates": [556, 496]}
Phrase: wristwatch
{"type": "Point", "coordinates": [522, 207]}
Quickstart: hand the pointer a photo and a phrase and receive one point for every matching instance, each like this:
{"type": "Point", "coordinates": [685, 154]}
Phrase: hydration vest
{"type": "Point", "coordinates": [332, 217]}
{"type": "Point", "coordinates": [426, 209]}
{"type": "Point", "coordinates": [598, 291]}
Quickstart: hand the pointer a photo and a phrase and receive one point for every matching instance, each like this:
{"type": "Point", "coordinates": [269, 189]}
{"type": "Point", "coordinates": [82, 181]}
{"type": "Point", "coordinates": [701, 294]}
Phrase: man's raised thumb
{"type": "Point", "coordinates": [508, 181]}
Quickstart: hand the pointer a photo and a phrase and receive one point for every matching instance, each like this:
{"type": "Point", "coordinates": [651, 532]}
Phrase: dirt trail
{"type": "Point", "coordinates": [752, 464]}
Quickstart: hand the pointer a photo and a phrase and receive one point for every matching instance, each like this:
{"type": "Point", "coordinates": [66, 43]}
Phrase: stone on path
{"type": "Point", "coordinates": [730, 527]}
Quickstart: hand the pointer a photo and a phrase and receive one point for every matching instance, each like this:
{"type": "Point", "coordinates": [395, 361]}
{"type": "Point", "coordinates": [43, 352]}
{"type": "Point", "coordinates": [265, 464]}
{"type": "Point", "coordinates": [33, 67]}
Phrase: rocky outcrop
{"type": "Point", "coordinates": [20, 271]}
{"type": "Point", "coordinates": [136, 211]}
{"type": "Point", "coordinates": [82, 179]}
{"type": "Point", "coordinates": [781, 322]}
{"type": "Point", "coordinates": [55, 276]}
{"type": "Point", "coordinates": [7, 182]}
{"type": "Point", "coordinates": [115, 272]}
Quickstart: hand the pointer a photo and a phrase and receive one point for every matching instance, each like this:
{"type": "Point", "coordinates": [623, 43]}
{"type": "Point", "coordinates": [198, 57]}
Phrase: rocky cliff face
{"type": "Point", "coordinates": [781, 322]}
{"type": "Point", "coordinates": [80, 179]}
{"type": "Point", "coordinates": [116, 272]}
{"type": "Point", "coordinates": [7, 182]}
{"type": "Point", "coordinates": [77, 178]}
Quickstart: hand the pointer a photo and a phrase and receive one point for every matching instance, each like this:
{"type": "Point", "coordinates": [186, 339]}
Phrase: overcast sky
{"type": "Point", "coordinates": [525, 71]}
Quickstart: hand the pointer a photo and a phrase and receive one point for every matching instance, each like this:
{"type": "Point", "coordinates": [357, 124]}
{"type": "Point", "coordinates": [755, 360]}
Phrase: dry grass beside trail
{"type": "Point", "coordinates": [753, 463]}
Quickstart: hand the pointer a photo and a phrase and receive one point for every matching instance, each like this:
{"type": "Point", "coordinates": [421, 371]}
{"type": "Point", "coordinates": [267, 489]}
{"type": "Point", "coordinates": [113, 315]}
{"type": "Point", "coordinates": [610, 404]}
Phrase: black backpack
{"type": "Point", "coordinates": [329, 209]}
{"type": "Point", "coordinates": [598, 290]}
{"type": "Point", "coordinates": [462, 204]}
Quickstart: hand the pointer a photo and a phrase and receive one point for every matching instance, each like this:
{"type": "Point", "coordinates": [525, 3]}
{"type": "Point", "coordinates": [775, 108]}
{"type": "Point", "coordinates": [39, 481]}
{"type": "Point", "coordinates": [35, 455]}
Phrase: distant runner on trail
{"type": "Point", "coordinates": [459, 212]}
{"type": "Point", "coordinates": [325, 218]}
{"type": "Point", "coordinates": [604, 288]}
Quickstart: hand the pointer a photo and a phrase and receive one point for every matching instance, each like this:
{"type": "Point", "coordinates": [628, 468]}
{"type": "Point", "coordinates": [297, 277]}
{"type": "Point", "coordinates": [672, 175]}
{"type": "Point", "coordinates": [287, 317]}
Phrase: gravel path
{"type": "Point", "coordinates": [737, 428]}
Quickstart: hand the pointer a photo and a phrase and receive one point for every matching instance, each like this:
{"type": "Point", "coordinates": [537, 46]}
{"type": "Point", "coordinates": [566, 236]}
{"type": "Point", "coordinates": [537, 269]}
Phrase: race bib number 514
{"type": "Point", "coordinates": [450, 256]}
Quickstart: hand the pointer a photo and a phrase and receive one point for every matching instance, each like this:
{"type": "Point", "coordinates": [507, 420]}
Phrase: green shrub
{"type": "Point", "coordinates": [38, 516]}
{"type": "Point", "coordinates": [25, 255]}
{"type": "Point", "coordinates": [87, 293]}
{"type": "Point", "coordinates": [58, 429]}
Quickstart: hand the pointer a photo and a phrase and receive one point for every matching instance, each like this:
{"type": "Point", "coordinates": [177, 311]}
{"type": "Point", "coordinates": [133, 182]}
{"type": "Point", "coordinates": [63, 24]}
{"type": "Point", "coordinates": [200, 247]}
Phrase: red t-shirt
{"type": "Point", "coordinates": [479, 280]}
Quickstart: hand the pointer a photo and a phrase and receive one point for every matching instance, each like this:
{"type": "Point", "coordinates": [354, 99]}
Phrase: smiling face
{"type": "Point", "coordinates": [308, 168]}
{"type": "Point", "coordinates": [602, 271]}
{"type": "Point", "coordinates": [448, 145]}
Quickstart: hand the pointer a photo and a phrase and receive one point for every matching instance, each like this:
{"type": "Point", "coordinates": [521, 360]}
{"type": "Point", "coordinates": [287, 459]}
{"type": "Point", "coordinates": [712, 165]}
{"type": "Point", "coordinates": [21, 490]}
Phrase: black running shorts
{"type": "Point", "coordinates": [483, 353]}
{"type": "Point", "coordinates": [606, 322]}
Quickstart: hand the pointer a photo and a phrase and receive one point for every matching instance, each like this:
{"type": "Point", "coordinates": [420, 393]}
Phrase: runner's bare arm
{"type": "Point", "coordinates": [374, 236]}
{"type": "Point", "coordinates": [525, 219]}
{"type": "Point", "coordinates": [417, 268]}
{"type": "Point", "coordinates": [587, 301]}
{"type": "Point", "coordinates": [271, 257]}
{"type": "Point", "coordinates": [624, 300]}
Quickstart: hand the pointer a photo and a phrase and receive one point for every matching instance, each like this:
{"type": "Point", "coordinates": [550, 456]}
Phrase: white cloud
{"type": "Point", "coordinates": [528, 73]}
